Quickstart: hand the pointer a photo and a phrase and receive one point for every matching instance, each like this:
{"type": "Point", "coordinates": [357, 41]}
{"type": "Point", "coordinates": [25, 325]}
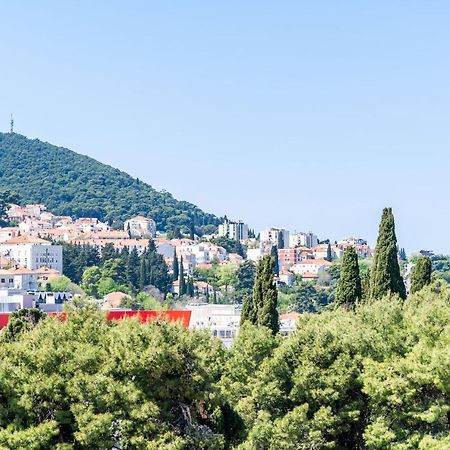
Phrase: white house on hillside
{"type": "Point", "coordinates": [33, 252]}
{"type": "Point", "coordinates": [141, 226]}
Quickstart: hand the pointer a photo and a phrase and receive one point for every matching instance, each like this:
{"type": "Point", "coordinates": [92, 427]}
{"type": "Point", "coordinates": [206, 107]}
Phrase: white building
{"type": "Point", "coordinates": [310, 266]}
{"type": "Point", "coordinates": [237, 231]}
{"type": "Point", "coordinates": [271, 235]}
{"type": "Point", "coordinates": [222, 320]}
{"type": "Point", "coordinates": [141, 226]}
{"type": "Point", "coordinates": [302, 239]}
{"type": "Point", "coordinates": [33, 252]}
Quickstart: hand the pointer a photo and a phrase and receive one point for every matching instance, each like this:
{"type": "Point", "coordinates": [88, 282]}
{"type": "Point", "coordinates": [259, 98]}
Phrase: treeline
{"type": "Point", "coordinates": [101, 273]}
{"type": "Point", "coordinates": [375, 377]}
{"type": "Point", "coordinates": [83, 187]}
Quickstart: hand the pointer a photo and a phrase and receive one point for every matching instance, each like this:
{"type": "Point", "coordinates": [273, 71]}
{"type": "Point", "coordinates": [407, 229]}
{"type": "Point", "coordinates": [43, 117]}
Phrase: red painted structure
{"type": "Point", "coordinates": [181, 317]}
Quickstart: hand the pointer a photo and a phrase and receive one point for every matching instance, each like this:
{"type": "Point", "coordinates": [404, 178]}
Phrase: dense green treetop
{"type": "Point", "coordinates": [421, 274]}
{"type": "Point", "coordinates": [349, 289]}
{"type": "Point", "coordinates": [72, 184]}
{"type": "Point", "coordinates": [385, 274]}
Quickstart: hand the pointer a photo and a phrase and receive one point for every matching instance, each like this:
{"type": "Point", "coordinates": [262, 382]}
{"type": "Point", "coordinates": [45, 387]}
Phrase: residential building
{"type": "Point", "coordinates": [302, 239]}
{"type": "Point", "coordinates": [272, 236]}
{"type": "Point", "coordinates": [313, 266]}
{"type": "Point", "coordinates": [288, 323]}
{"type": "Point", "coordinates": [237, 231]}
{"type": "Point", "coordinates": [140, 226]}
{"type": "Point", "coordinates": [33, 253]}
{"type": "Point", "coordinates": [287, 257]}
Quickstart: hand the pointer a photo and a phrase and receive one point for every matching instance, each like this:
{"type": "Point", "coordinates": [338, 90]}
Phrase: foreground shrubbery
{"type": "Point", "coordinates": [377, 378]}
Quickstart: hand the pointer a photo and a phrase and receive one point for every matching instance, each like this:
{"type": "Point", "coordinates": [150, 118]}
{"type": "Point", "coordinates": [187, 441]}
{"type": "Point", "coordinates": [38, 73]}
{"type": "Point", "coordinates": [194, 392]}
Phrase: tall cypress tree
{"type": "Point", "coordinates": [386, 277]}
{"type": "Point", "coordinates": [190, 287]}
{"type": "Point", "coordinates": [132, 268]}
{"type": "Point", "coordinates": [274, 254]}
{"type": "Point", "coordinates": [182, 286]}
{"type": "Point", "coordinates": [365, 285]}
{"type": "Point", "coordinates": [248, 312]}
{"type": "Point", "coordinates": [349, 289]}
{"type": "Point", "coordinates": [329, 253]}
{"type": "Point", "coordinates": [421, 274]}
{"type": "Point", "coordinates": [267, 311]}
{"type": "Point", "coordinates": [175, 266]}
{"type": "Point", "coordinates": [143, 274]}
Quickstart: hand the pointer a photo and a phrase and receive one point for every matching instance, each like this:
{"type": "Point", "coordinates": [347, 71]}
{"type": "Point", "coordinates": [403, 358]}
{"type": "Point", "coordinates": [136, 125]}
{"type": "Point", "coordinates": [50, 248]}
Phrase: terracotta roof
{"type": "Point", "coordinates": [290, 316]}
{"type": "Point", "coordinates": [309, 275]}
{"type": "Point", "coordinates": [26, 239]}
{"type": "Point", "coordinates": [316, 262]}
{"type": "Point", "coordinates": [114, 299]}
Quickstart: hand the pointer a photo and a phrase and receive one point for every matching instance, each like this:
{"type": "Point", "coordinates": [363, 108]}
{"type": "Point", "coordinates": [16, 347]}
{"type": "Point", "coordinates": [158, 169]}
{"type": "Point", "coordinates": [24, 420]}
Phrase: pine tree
{"type": "Point", "coordinates": [421, 274]}
{"type": "Point", "coordinates": [182, 286]}
{"type": "Point", "coordinates": [175, 266]}
{"type": "Point", "coordinates": [267, 313]}
{"type": "Point", "coordinates": [402, 254]}
{"type": "Point", "coordinates": [349, 289]}
{"type": "Point", "coordinates": [274, 255]}
{"type": "Point", "coordinates": [329, 253]}
{"type": "Point", "coordinates": [386, 277]}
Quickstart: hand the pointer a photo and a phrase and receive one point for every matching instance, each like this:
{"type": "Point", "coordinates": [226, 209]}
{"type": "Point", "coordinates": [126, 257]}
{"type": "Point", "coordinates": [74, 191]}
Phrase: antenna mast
{"type": "Point", "coordinates": [12, 124]}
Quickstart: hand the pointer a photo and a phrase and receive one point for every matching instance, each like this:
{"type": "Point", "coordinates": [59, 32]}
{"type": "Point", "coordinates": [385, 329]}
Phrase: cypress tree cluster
{"type": "Point", "coordinates": [349, 289]}
{"type": "Point", "coordinates": [261, 309]}
{"type": "Point", "coordinates": [385, 276]}
{"type": "Point", "coordinates": [421, 274]}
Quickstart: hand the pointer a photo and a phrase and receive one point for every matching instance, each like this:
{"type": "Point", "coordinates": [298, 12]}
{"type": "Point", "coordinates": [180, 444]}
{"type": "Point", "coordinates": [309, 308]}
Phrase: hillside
{"type": "Point", "coordinates": [77, 185]}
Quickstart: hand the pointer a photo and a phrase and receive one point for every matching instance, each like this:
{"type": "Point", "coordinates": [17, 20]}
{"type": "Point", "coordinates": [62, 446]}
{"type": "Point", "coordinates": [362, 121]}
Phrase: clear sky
{"type": "Point", "coordinates": [307, 115]}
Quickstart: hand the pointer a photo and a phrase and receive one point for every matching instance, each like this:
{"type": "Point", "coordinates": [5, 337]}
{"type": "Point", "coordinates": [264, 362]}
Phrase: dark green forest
{"type": "Point", "coordinates": [77, 185]}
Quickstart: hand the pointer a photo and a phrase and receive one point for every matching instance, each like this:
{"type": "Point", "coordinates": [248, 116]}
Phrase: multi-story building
{"type": "Point", "coordinates": [237, 231]}
{"type": "Point", "coordinates": [287, 257]}
{"type": "Point", "coordinates": [302, 239]}
{"type": "Point", "coordinates": [140, 226]}
{"type": "Point", "coordinates": [272, 236]}
{"type": "Point", "coordinates": [33, 253]}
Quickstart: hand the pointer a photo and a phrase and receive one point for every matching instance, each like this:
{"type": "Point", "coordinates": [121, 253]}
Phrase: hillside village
{"type": "Point", "coordinates": [32, 255]}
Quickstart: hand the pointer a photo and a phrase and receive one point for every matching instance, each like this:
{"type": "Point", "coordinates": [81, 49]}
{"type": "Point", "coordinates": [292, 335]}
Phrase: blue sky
{"type": "Point", "coordinates": [307, 115]}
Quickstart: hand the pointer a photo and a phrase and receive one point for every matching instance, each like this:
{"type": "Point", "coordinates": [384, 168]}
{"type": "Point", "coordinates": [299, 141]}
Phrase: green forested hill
{"type": "Point", "coordinates": [76, 185]}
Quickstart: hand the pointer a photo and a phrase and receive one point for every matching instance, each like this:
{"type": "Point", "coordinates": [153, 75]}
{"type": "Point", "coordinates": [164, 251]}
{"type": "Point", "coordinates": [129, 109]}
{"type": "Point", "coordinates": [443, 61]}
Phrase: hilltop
{"type": "Point", "coordinates": [77, 185]}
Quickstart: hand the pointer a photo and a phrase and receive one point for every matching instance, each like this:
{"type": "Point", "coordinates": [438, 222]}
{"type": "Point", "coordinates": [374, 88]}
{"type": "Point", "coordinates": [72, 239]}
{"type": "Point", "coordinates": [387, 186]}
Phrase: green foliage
{"type": "Point", "coordinates": [375, 378]}
{"type": "Point", "coordinates": [421, 274]}
{"type": "Point", "coordinates": [90, 280]}
{"type": "Point", "coordinates": [20, 322]}
{"type": "Point", "coordinates": [276, 264]}
{"type": "Point", "coordinates": [83, 187]}
{"type": "Point", "coordinates": [230, 245]}
{"type": "Point", "coordinates": [245, 278]}
{"type": "Point", "coordinates": [60, 284]}
{"type": "Point", "coordinates": [87, 384]}
{"type": "Point", "coordinates": [263, 309]}
{"type": "Point", "coordinates": [175, 265]}
{"type": "Point", "coordinates": [385, 274]}
{"type": "Point", "coordinates": [349, 289]}
{"type": "Point", "coordinates": [304, 296]}
{"type": "Point", "coordinates": [6, 199]}
{"type": "Point", "coordinates": [182, 280]}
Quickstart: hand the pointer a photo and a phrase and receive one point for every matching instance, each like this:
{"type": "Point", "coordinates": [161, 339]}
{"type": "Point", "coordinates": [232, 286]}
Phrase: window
{"type": "Point", "coordinates": [2, 280]}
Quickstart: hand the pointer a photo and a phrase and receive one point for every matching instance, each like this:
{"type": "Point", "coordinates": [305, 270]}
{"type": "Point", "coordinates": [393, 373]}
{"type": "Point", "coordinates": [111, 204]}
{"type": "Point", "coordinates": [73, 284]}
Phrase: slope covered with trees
{"type": "Point", "coordinates": [76, 185]}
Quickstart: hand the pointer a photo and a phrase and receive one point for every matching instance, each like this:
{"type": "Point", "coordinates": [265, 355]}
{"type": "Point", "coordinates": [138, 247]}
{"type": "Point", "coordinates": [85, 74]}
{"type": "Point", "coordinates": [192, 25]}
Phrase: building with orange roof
{"type": "Point", "coordinates": [33, 252]}
{"type": "Point", "coordinates": [140, 226]}
{"type": "Point", "coordinates": [312, 266]}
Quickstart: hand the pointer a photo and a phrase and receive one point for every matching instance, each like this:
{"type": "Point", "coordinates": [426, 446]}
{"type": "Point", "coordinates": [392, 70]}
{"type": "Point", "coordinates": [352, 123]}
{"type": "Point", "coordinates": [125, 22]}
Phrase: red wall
{"type": "Point", "coordinates": [182, 317]}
